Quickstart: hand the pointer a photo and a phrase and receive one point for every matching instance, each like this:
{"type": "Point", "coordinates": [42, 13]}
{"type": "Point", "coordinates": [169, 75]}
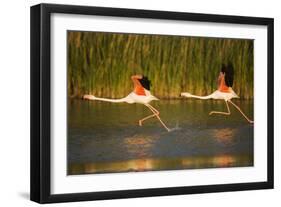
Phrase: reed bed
{"type": "Point", "coordinates": [102, 63]}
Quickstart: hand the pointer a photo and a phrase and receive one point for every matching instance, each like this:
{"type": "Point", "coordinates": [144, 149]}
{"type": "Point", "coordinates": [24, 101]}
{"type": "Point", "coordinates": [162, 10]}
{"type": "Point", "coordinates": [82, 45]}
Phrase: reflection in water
{"type": "Point", "coordinates": [139, 145]}
{"type": "Point", "coordinates": [139, 165]}
{"type": "Point", "coordinates": [102, 140]}
{"type": "Point", "coordinates": [224, 160]}
{"type": "Point", "coordinates": [225, 136]}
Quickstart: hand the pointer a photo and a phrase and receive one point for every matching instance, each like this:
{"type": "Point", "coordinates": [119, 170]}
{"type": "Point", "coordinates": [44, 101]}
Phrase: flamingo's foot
{"type": "Point", "coordinates": [211, 113]}
{"type": "Point", "coordinates": [140, 122]}
{"type": "Point", "coordinates": [251, 122]}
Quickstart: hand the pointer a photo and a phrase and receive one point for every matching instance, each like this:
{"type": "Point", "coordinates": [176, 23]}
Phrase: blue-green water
{"type": "Point", "coordinates": [105, 137]}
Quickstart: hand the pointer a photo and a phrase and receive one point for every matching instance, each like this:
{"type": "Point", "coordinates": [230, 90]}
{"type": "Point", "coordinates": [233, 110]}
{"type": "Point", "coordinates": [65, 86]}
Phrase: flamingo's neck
{"type": "Point", "coordinates": [91, 97]}
{"type": "Point", "coordinates": [110, 100]}
{"type": "Point", "coordinates": [194, 96]}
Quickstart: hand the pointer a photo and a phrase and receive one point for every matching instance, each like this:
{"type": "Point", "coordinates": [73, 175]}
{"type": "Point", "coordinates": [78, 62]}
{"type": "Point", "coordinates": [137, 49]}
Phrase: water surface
{"type": "Point", "coordinates": [105, 137]}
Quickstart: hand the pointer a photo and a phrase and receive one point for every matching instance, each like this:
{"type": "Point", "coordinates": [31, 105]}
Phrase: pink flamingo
{"type": "Point", "coordinates": [224, 92]}
{"type": "Point", "coordinates": [141, 95]}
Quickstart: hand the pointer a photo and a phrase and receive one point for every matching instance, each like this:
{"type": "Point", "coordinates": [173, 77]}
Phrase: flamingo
{"type": "Point", "coordinates": [140, 95]}
{"type": "Point", "coordinates": [224, 92]}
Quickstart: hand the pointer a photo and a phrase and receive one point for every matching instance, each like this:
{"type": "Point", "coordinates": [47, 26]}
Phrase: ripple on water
{"type": "Point", "coordinates": [109, 133]}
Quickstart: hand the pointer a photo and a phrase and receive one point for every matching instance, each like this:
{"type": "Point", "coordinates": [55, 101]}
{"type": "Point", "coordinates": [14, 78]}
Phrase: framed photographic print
{"type": "Point", "coordinates": [133, 103]}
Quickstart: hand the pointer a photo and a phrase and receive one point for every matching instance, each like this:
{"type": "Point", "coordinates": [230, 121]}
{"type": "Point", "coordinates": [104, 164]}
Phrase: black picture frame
{"type": "Point", "coordinates": [41, 97]}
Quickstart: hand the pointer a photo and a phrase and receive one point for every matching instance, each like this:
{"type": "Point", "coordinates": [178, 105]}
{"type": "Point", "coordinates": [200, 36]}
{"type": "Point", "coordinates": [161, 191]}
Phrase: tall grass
{"type": "Point", "coordinates": [102, 63]}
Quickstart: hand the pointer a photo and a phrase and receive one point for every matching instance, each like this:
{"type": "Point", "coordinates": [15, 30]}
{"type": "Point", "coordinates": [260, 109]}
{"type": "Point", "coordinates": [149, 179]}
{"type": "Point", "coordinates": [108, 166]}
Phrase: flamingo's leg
{"type": "Point", "coordinates": [145, 118]}
{"type": "Point", "coordinates": [249, 120]}
{"type": "Point", "coordinates": [154, 109]}
{"type": "Point", "coordinates": [156, 113]}
{"type": "Point", "coordinates": [219, 112]}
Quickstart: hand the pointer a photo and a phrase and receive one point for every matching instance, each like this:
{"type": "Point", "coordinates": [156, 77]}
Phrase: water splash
{"type": "Point", "coordinates": [175, 128]}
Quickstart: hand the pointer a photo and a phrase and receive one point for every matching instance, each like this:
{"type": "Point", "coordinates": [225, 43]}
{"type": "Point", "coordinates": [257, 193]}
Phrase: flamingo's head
{"type": "Point", "coordinates": [185, 94]}
{"type": "Point", "coordinates": [89, 97]}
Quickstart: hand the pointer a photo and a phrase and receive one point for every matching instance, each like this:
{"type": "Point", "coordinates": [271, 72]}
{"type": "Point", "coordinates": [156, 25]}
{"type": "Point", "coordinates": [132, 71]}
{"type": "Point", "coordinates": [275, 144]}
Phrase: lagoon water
{"type": "Point", "coordinates": [106, 138]}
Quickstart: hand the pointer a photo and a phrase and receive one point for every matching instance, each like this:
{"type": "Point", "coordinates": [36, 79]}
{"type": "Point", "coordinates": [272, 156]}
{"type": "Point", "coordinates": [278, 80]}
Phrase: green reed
{"type": "Point", "coordinates": [102, 63]}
